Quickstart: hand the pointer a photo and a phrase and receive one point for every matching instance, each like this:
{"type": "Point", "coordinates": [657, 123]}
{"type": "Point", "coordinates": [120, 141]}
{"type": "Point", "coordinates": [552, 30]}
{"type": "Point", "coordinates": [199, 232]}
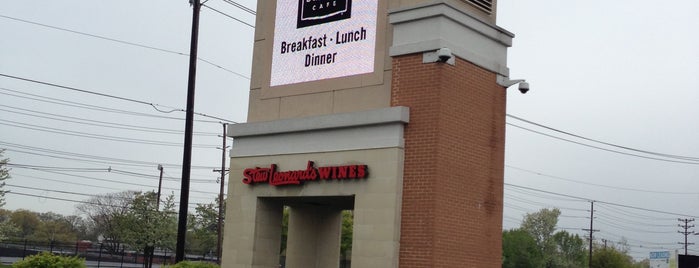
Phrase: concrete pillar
{"type": "Point", "coordinates": [268, 232]}
{"type": "Point", "coordinates": [313, 239]}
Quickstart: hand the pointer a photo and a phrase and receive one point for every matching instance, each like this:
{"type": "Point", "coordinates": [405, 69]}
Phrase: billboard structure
{"type": "Point", "coordinates": [351, 108]}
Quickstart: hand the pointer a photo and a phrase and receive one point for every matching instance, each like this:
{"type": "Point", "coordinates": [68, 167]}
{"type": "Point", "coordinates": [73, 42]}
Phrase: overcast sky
{"type": "Point", "coordinates": [622, 72]}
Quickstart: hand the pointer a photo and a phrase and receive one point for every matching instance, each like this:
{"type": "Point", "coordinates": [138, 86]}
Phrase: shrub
{"type": "Point", "coordinates": [193, 264]}
{"type": "Point", "coordinates": [49, 260]}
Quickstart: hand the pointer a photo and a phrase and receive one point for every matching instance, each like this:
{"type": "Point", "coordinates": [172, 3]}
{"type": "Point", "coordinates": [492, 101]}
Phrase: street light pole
{"type": "Point", "coordinates": [188, 131]}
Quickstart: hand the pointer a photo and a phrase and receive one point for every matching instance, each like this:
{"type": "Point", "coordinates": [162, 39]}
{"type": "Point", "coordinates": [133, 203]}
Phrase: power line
{"type": "Point", "coordinates": [89, 122]}
{"type": "Point", "coordinates": [69, 169]}
{"type": "Point", "coordinates": [598, 185]}
{"type": "Point", "coordinates": [88, 106]}
{"type": "Point", "coordinates": [95, 136]}
{"type": "Point", "coordinates": [119, 182]}
{"type": "Point", "coordinates": [73, 200]}
{"type": "Point", "coordinates": [14, 174]}
{"type": "Point", "coordinates": [125, 43]}
{"type": "Point", "coordinates": [544, 196]}
{"type": "Point", "coordinates": [634, 215]}
{"type": "Point", "coordinates": [92, 158]}
{"type": "Point", "coordinates": [244, 8]}
{"type": "Point", "coordinates": [67, 182]}
{"type": "Point", "coordinates": [107, 170]}
{"type": "Point", "coordinates": [68, 192]}
{"type": "Point", "coordinates": [598, 201]}
{"type": "Point", "coordinates": [155, 177]}
{"type": "Point", "coordinates": [624, 221]}
{"type": "Point", "coordinates": [224, 14]}
{"type": "Point", "coordinates": [51, 190]}
{"type": "Point", "coordinates": [605, 143]}
{"type": "Point", "coordinates": [154, 106]}
{"type": "Point", "coordinates": [603, 149]}
{"type": "Point", "coordinates": [625, 227]}
{"type": "Point", "coordinates": [638, 241]}
{"type": "Point", "coordinates": [523, 200]}
{"type": "Point", "coordinates": [61, 199]}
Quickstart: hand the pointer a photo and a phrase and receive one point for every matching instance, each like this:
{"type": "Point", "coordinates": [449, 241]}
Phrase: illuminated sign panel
{"type": "Point", "coordinates": [321, 39]}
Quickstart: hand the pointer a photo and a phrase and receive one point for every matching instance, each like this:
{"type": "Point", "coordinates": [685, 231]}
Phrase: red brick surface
{"type": "Point", "coordinates": [454, 157]}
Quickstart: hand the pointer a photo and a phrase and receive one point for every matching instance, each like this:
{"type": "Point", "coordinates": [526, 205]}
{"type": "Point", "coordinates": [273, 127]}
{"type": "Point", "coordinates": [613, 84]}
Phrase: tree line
{"type": "Point", "coordinates": [136, 220]}
{"type": "Point", "coordinates": [124, 220]}
{"type": "Point", "coordinates": [537, 244]}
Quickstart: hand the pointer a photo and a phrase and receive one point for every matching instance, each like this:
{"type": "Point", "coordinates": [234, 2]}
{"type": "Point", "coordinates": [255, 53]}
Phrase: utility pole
{"type": "Point", "coordinates": [188, 131]}
{"type": "Point", "coordinates": [686, 232]}
{"type": "Point", "coordinates": [219, 245]}
{"type": "Point", "coordinates": [160, 185]}
{"type": "Point", "coordinates": [591, 230]}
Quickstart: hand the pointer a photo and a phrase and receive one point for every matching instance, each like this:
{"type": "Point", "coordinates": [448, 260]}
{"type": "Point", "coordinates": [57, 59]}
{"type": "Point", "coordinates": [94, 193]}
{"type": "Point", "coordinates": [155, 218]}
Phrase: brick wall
{"type": "Point", "coordinates": [454, 157]}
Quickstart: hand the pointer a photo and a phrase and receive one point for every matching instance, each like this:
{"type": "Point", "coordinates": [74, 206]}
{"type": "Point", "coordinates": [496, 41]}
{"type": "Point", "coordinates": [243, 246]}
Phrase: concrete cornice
{"type": "Point", "coordinates": [446, 9]}
{"type": "Point", "coordinates": [323, 122]}
{"type": "Point", "coordinates": [374, 129]}
{"type": "Point", "coordinates": [431, 26]}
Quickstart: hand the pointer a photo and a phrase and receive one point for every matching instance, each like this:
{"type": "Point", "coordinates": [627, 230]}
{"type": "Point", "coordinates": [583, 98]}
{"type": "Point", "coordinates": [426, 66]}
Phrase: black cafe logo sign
{"type": "Point", "coordinates": [314, 12]}
{"type": "Point", "coordinates": [270, 175]}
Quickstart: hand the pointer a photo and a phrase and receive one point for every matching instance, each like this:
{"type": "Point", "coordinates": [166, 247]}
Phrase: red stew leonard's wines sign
{"type": "Point", "coordinates": [271, 176]}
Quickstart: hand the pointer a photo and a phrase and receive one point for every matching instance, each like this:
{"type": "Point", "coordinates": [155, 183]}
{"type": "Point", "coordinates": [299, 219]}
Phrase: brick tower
{"type": "Point", "coordinates": [412, 92]}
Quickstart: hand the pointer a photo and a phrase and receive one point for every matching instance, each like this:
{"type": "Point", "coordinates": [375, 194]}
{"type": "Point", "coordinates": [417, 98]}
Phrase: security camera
{"type": "Point", "coordinates": [506, 82]}
{"type": "Point", "coordinates": [523, 87]}
{"type": "Point", "coordinates": [444, 54]}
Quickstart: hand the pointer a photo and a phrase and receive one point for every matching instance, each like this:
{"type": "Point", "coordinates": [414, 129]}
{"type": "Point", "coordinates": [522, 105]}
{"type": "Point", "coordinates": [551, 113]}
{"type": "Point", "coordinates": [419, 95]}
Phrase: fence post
{"type": "Point", "coordinates": [24, 252]}
{"type": "Point", "coordinates": [51, 246]}
{"type": "Point", "coordinates": [99, 257]}
{"type": "Point", "coordinates": [76, 247]}
{"type": "Point", "coordinates": [123, 252]}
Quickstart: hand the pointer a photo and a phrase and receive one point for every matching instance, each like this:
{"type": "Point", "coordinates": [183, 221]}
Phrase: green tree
{"type": "Point", "coordinates": [27, 222]}
{"type": "Point", "coordinates": [645, 263]}
{"type": "Point", "coordinates": [146, 227]}
{"type": "Point", "coordinates": [610, 257]}
{"type": "Point", "coordinates": [4, 175]}
{"type": "Point", "coordinates": [285, 230]}
{"type": "Point", "coordinates": [83, 229]}
{"type": "Point", "coordinates": [203, 229]}
{"type": "Point", "coordinates": [541, 226]}
{"type": "Point", "coordinates": [570, 250]}
{"type": "Point", "coordinates": [347, 230]}
{"type": "Point", "coordinates": [7, 228]}
{"type": "Point", "coordinates": [54, 230]}
{"type": "Point", "coordinates": [555, 249]}
{"type": "Point", "coordinates": [519, 250]}
{"type": "Point", "coordinates": [102, 213]}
